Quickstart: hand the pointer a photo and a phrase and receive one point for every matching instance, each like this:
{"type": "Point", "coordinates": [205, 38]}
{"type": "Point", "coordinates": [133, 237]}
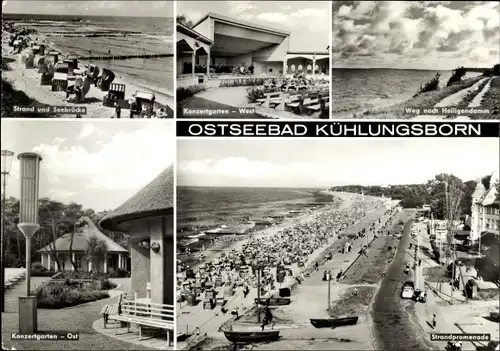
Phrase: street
{"type": "Point", "coordinates": [395, 323]}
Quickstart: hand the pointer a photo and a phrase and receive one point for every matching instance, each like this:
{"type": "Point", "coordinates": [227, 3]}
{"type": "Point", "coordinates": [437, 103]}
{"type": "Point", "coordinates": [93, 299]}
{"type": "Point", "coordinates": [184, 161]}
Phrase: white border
{"type": "Point", "coordinates": [174, 163]}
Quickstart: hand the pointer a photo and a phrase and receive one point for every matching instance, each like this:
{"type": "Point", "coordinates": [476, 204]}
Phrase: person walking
{"type": "Point", "coordinates": [434, 321]}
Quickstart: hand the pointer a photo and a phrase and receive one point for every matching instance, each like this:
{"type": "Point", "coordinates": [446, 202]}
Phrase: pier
{"type": "Point", "coordinates": [122, 57]}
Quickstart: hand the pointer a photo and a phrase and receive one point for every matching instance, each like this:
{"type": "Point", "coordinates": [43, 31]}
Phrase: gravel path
{"type": "Point", "coordinates": [393, 316]}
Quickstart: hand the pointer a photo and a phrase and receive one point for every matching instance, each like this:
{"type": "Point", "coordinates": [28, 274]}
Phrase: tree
{"type": "Point", "coordinates": [57, 219]}
{"type": "Point", "coordinates": [468, 189]}
{"type": "Point", "coordinates": [96, 251]}
{"type": "Point", "coordinates": [182, 19]}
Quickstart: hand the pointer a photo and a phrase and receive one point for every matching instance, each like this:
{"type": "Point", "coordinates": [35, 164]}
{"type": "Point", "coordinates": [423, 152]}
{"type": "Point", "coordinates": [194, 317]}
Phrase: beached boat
{"type": "Point", "coordinates": [275, 301]}
{"type": "Point", "coordinates": [334, 322]}
{"type": "Point", "coordinates": [250, 337]}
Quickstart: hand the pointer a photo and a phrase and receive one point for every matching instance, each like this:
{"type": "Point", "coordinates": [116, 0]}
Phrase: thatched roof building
{"type": "Point", "coordinates": [155, 199]}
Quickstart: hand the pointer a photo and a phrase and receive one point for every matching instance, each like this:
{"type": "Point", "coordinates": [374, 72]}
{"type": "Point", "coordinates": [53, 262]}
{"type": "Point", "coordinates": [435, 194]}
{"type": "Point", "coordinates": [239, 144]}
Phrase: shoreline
{"type": "Point", "coordinates": [27, 81]}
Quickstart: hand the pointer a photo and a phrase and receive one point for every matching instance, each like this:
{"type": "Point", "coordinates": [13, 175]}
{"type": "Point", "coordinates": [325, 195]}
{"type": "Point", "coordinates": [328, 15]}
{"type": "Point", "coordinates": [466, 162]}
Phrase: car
{"type": "Point", "coordinates": [493, 345]}
{"type": "Point", "coordinates": [408, 290]}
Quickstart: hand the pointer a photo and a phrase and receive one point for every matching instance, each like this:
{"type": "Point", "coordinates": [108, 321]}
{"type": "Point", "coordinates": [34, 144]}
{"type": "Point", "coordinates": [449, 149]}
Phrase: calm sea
{"type": "Point", "coordinates": [355, 90]}
{"type": "Point", "coordinates": [94, 35]}
{"type": "Point", "coordinates": [214, 206]}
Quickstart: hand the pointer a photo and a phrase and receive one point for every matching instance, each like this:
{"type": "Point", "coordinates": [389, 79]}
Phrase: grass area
{"type": "Point", "coordinates": [350, 304]}
{"type": "Point", "coordinates": [56, 296]}
{"type": "Point", "coordinates": [471, 95]}
{"type": "Point", "coordinates": [427, 99]}
{"type": "Point", "coordinates": [491, 100]}
{"type": "Point", "coordinates": [436, 274]}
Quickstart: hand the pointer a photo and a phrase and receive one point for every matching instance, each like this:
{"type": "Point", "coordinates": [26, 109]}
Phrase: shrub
{"type": "Point", "coordinates": [184, 93]}
{"type": "Point", "coordinates": [37, 270]}
{"type": "Point", "coordinates": [254, 93]}
{"type": "Point", "coordinates": [107, 284]}
{"type": "Point", "coordinates": [118, 273]}
{"type": "Point", "coordinates": [241, 82]}
{"type": "Point", "coordinates": [54, 296]}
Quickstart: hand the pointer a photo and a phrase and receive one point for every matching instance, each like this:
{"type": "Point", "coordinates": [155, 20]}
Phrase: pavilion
{"type": "Point", "coordinates": [217, 44]}
{"type": "Point", "coordinates": [66, 252]}
{"type": "Point", "coordinates": [148, 217]}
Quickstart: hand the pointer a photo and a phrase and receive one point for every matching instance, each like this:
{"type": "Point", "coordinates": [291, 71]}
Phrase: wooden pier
{"type": "Point", "coordinates": [122, 57]}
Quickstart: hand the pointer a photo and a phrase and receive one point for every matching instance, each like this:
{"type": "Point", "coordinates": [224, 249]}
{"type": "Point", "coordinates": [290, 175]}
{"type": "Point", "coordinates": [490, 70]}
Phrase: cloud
{"type": "Point", "coordinates": [88, 130]}
{"type": "Point", "coordinates": [127, 161]}
{"type": "Point", "coordinates": [237, 167]}
{"type": "Point", "coordinates": [424, 29]}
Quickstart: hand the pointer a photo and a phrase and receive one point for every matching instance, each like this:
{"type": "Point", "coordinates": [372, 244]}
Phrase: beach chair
{"type": "Point", "coordinates": [62, 67]}
{"type": "Point", "coordinates": [59, 82]}
{"type": "Point", "coordinates": [144, 103]}
{"type": "Point", "coordinates": [105, 79]}
{"type": "Point", "coordinates": [116, 94]}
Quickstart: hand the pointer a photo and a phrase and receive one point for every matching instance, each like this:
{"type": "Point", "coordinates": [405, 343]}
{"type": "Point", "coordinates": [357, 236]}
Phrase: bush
{"type": "Point", "coordinates": [37, 270]}
{"type": "Point", "coordinates": [55, 296]}
{"type": "Point", "coordinates": [255, 93]}
{"type": "Point", "coordinates": [107, 284]}
{"type": "Point", "coordinates": [241, 82]}
{"type": "Point", "coordinates": [184, 93]}
{"type": "Point", "coordinates": [118, 273]}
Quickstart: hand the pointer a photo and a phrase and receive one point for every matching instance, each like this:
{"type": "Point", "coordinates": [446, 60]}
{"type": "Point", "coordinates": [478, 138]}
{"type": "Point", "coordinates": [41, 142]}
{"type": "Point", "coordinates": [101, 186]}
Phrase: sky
{"type": "Point", "coordinates": [436, 35]}
{"type": "Point", "coordinates": [307, 21]}
{"type": "Point", "coordinates": [322, 163]}
{"type": "Point", "coordinates": [99, 164]}
{"type": "Point", "coordinates": [91, 8]}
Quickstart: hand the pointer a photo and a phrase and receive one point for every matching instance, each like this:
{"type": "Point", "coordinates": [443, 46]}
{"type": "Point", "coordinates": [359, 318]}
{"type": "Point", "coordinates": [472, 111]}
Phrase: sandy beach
{"type": "Point", "coordinates": [290, 319]}
{"type": "Point", "coordinates": [28, 81]}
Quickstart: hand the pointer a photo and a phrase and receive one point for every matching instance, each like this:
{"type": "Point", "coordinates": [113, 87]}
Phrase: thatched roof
{"type": "Point", "coordinates": [155, 199]}
{"type": "Point", "coordinates": [81, 240]}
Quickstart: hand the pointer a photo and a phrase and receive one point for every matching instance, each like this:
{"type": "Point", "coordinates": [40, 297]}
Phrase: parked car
{"type": "Point", "coordinates": [408, 290]}
{"type": "Point", "coordinates": [493, 345]}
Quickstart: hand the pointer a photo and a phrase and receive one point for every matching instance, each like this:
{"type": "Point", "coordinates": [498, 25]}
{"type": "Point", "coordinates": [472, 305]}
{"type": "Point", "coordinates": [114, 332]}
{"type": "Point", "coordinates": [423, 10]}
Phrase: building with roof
{"type": "Point", "coordinates": [218, 44]}
{"type": "Point", "coordinates": [148, 218]}
{"type": "Point", "coordinates": [73, 247]}
{"type": "Point", "coordinates": [485, 213]}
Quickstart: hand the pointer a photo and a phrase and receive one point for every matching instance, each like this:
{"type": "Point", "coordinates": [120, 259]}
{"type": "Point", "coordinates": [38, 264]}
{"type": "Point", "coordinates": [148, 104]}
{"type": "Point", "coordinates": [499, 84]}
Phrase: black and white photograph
{"type": "Point", "coordinates": [282, 246]}
{"type": "Point", "coordinates": [393, 59]}
{"type": "Point", "coordinates": [87, 235]}
{"type": "Point", "coordinates": [98, 59]}
{"type": "Point", "coordinates": [270, 57]}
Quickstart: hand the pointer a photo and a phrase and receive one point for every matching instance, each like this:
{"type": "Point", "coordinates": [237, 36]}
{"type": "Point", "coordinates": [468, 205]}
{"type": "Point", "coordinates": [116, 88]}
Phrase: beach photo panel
{"type": "Point", "coordinates": [95, 59]}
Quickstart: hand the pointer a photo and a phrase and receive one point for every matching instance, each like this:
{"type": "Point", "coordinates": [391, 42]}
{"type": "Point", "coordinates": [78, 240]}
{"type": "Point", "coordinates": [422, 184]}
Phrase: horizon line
{"type": "Point", "coordinates": [55, 14]}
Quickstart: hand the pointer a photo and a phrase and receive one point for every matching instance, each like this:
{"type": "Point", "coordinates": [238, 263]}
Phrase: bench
{"type": "Point", "coordinates": [152, 315]}
{"type": "Point", "coordinates": [271, 99]}
{"type": "Point", "coordinates": [111, 310]}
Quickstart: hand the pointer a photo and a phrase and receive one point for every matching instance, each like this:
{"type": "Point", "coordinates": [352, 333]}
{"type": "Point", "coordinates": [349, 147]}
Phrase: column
{"type": "Point", "coordinates": [120, 261]}
{"type": "Point", "coordinates": [90, 266]}
{"type": "Point", "coordinates": [105, 264]}
{"type": "Point", "coordinates": [193, 64]}
{"type": "Point", "coordinates": [208, 64]}
{"type": "Point", "coordinates": [73, 260]}
{"type": "Point", "coordinates": [285, 62]}
{"type": "Point", "coordinates": [48, 262]}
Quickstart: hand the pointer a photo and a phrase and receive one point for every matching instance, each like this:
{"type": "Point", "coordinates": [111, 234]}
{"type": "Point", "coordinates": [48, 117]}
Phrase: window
{"type": "Point", "coordinates": [78, 261]}
{"type": "Point", "coordinates": [270, 70]}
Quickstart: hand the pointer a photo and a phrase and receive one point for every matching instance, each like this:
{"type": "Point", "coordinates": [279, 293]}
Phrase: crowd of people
{"type": "Point", "coordinates": [278, 259]}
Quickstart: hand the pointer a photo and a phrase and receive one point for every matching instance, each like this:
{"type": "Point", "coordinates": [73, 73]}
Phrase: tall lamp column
{"type": "Point", "coordinates": [28, 225]}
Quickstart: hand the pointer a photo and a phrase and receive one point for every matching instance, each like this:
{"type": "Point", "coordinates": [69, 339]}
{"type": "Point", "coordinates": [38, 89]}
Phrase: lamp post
{"type": "Point", "coordinates": [28, 225]}
{"type": "Point", "coordinates": [6, 164]}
